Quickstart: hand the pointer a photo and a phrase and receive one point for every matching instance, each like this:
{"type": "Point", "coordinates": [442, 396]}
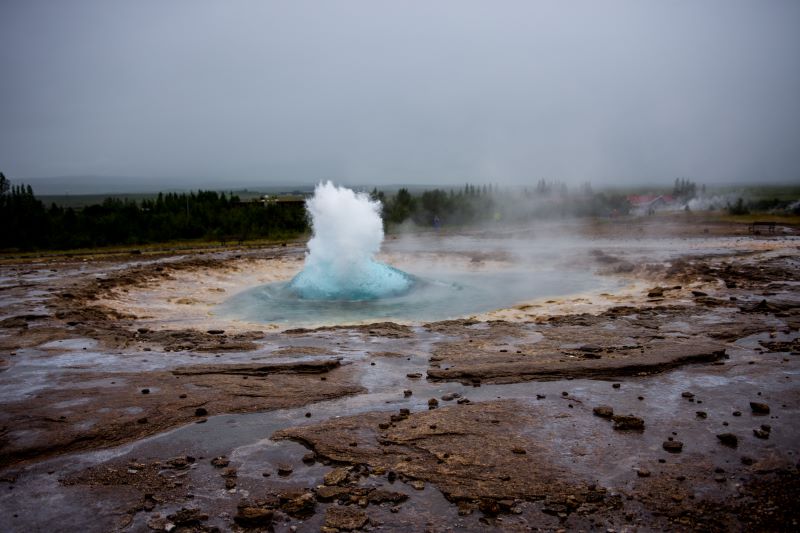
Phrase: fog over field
{"type": "Point", "coordinates": [201, 93]}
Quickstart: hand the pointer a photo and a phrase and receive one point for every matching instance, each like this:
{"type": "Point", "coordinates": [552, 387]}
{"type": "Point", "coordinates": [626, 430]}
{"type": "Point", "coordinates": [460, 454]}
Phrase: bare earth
{"type": "Point", "coordinates": [669, 404]}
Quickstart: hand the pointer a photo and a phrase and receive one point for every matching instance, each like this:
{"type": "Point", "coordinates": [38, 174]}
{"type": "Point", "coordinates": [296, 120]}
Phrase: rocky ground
{"type": "Point", "coordinates": [671, 404]}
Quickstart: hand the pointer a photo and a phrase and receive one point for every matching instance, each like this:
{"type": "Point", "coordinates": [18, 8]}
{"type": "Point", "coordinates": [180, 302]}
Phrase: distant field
{"type": "Point", "coordinates": [77, 201]}
{"type": "Point", "coordinates": [747, 192]}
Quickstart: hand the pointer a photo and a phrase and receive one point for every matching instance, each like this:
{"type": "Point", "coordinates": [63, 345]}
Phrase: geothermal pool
{"type": "Point", "coordinates": [448, 295]}
{"type": "Point", "coordinates": [342, 282]}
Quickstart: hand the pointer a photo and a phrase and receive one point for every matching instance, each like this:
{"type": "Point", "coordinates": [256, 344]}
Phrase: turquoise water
{"type": "Point", "coordinates": [370, 280]}
{"type": "Point", "coordinates": [450, 295]}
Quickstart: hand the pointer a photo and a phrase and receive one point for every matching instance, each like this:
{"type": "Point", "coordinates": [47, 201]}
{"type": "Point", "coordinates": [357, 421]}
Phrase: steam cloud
{"type": "Point", "coordinates": [340, 265]}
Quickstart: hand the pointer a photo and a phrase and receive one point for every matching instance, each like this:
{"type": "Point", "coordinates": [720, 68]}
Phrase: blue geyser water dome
{"type": "Point", "coordinates": [340, 265]}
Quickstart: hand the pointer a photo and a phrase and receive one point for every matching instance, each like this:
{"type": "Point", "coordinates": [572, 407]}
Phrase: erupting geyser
{"type": "Point", "coordinates": [342, 283]}
{"type": "Point", "coordinates": [340, 263]}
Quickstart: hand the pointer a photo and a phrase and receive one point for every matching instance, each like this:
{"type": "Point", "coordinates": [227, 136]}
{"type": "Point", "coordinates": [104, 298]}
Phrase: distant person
{"type": "Point", "coordinates": [437, 223]}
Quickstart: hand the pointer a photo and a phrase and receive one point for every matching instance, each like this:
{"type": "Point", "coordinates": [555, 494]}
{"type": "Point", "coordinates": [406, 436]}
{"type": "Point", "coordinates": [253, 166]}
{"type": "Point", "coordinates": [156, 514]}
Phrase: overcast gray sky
{"type": "Point", "coordinates": [401, 92]}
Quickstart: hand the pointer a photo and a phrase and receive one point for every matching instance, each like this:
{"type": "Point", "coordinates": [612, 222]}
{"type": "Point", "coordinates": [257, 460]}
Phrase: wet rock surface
{"type": "Point", "coordinates": [470, 455]}
{"type": "Point", "coordinates": [112, 404]}
{"type": "Point", "coordinates": [459, 423]}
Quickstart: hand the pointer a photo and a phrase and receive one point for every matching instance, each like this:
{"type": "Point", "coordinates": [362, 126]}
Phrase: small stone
{"type": "Point", "coordinates": [414, 375]}
{"type": "Point", "coordinates": [603, 411]}
{"type": "Point", "coordinates": [687, 395]}
{"type": "Point", "coordinates": [759, 408]}
{"type": "Point", "coordinates": [643, 472]}
{"type": "Point", "coordinates": [673, 446]}
{"type": "Point", "coordinates": [345, 518]}
{"type": "Point", "coordinates": [336, 476]}
{"type": "Point", "coordinates": [220, 462]}
{"type": "Point", "coordinates": [308, 415]}
{"type": "Point", "coordinates": [565, 394]}
{"type": "Point", "coordinates": [310, 458]}
{"type": "Point", "coordinates": [448, 397]}
{"type": "Point", "coordinates": [145, 391]}
{"type": "Point", "coordinates": [142, 421]}
{"type": "Point", "coordinates": [590, 348]}
{"type": "Point", "coordinates": [761, 434]}
{"type": "Point", "coordinates": [200, 411]}
{"type": "Point", "coordinates": [382, 496]}
{"type": "Point", "coordinates": [299, 504]}
{"type": "Point", "coordinates": [417, 484]}
{"type": "Point", "coordinates": [737, 413]}
{"type": "Point", "coordinates": [616, 385]}
{"type": "Point", "coordinates": [519, 451]}
{"type": "Point", "coordinates": [327, 493]}
{"type": "Point", "coordinates": [701, 414]}
{"type": "Point", "coordinates": [747, 461]}
{"type": "Point", "coordinates": [215, 331]}
{"type": "Point", "coordinates": [182, 396]}
{"type": "Point", "coordinates": [656, 292]}
{"type": "Point", "coordinates": [433, 403]}
{"type": "Point", "coordinates": [728, 439]}
{"type": "Point", "coordinates": [627, 422]}
{"type": "Point", "coordinates": [187, 518]}
{"type": "Point", "coordinates": [285, 470]}
{"type": "Point", "coordinates": [407, 393]}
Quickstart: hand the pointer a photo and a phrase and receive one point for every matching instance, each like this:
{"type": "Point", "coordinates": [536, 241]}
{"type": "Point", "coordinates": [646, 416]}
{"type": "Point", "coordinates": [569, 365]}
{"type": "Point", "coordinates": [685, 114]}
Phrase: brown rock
{"type": "Point", "coordinates": [673, 446]}
{"type": "Point", "coordinates": [337, 476]}
{"type": "Point", "coordinates": [603, 411]}
{"type": "Point", "coordinates": [627, 422]}
{"type": "Point", "coordinates": [759, 408]}
{"type": "Point", "coordinates": [380, 496]}
{"type": "Point", "coordinates": [300, 504]}
{"type": "Point", "coordinates": [187, 517]}
{"type": "Point", "coordinates": [220, 462]}
{"type": "Point", "coordinates": [327, 493]}
{"type": "Point", "coordinates": [345, 518]}
{"type": "Point", "coordinates": [761, 434]}
{"type": "Point", "coordinates": [728, 439]}
{"type": "Point", "coordinates": [253, 517]}
{"type": "Point", "coordinates": [310, 458]}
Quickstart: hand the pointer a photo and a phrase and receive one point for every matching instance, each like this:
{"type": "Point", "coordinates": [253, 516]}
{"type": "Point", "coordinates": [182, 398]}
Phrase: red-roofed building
{"type": "Point", "coordinates": [647, 204]}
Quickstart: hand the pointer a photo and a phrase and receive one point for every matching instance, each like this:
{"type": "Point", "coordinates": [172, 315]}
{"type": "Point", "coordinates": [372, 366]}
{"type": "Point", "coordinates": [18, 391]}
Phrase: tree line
{"type": "Point", "coordinates": [473, 204]}
{"type": "Point", "coordinates": [28, 224]}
